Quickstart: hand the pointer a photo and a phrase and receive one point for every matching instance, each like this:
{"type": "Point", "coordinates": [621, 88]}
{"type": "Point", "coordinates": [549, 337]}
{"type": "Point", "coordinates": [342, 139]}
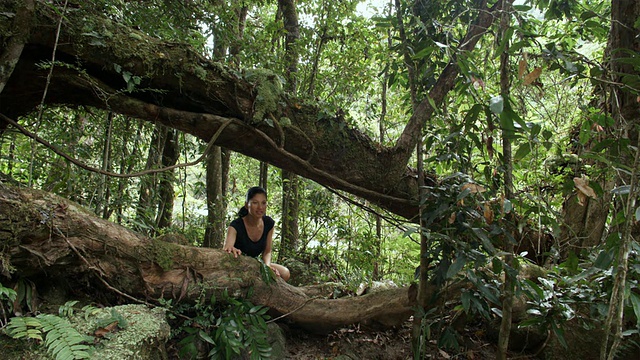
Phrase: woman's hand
{"type": "Point", "coordinates": [275, 270]}
{"type": "Point", "coordinates": [232, 250]}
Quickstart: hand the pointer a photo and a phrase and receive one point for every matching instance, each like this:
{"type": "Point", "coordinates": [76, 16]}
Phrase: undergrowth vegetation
{"type": "Point", "coordinates": [221, 329]}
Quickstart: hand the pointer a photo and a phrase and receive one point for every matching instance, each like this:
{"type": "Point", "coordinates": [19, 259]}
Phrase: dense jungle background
{"type": "Point", "coordinates": [450, 179]}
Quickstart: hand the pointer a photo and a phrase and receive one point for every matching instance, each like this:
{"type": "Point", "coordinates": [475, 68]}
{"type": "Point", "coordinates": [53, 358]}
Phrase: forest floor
{"type": "Point", "coordinates": [359, 344]}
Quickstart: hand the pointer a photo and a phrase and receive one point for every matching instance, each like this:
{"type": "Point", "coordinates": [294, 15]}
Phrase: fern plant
{"type": "Point", "coordinates": [7, 297]}
{"type": "Point", "coordinates": [62, 341]}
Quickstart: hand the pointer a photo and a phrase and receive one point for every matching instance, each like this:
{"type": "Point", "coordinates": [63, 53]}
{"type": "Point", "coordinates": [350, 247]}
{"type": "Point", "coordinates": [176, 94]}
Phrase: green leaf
{"type": "Point", "coordinates": [571, 263]}
{"type": "Point", "coordinates": [456, 266]}
{"type": "Point", "coordinates": [603, 145]}
{"type": "Point", "coordinates": [517, 46]}
{"type": "Point", "coordinates": [537, 289]}
{"type": "Point", "coordinates": [587, 15]}
{"type": "Point", "coordinates": [426, 52]}
{"type": "Point", "coordinates": [463, 194]}
{"type": "Point", "coordinates": [204, 336]}
{"type": "Point", "coordinates": [523, 8]}
{"type": "Point", "coordinates": [472, 114]}
{"type": "Point", "coordinates": [497, 265]}
{"type": "Point", "coordinates": [503, 42]}
{"type": "Point", "coordinates": [480, 233]}
{"type": "Point", "coordinates": [432, 103]}
{"type": "Point", "coordinates": [466, 300]}
{"type": "Point", "coordinates": [488, 294]}
{"type": "Point", "coordinates": [635, 303]}
{"type": "Point", "coordinates": [604, 260]}
{"type": "Point", "coordinates": [583, 275]}
{"type": "Point", "coordinates": [522, 151]}
{"type": "Point", "coordinates": [559, 332]}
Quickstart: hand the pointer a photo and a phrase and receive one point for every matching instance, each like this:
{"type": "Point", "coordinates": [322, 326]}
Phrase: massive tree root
{"type": "Point", "coordinates": [45, 236]}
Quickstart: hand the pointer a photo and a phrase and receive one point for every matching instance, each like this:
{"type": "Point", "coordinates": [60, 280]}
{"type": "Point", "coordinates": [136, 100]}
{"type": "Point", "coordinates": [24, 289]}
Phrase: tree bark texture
{"type": "Point", "coordinates": [10, 55]}
{"type": "Point", "coordinates": [624, 45]}
{"type": "Point", "coordinates": [45, 236]}
{"type": "Point", "coordinates": [170, 155]}
{"type": "Point", "coordinates": [148, 197]}
{"type": "Point", "coordinates": [196, 95]}
{"type": "Point", "coordinates": [290, 207]}
{"type": "Point", "coordinates": [216, 207]}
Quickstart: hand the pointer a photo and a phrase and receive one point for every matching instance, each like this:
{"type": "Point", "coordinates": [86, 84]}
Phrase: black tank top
{"type": "Point", "coordinates": [245, 244]}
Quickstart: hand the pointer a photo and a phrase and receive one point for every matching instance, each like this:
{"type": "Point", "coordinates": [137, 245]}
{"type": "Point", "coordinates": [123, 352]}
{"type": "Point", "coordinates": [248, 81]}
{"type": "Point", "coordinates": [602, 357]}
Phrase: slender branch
{"type": "Point", "coordinates": [410, 135]}
{"type": "Point", "coordinates": [294, 310]}
{"type": "Point", "coordinates": [109, 173]}
{"type": "Point", "coordinates": [46, 87]}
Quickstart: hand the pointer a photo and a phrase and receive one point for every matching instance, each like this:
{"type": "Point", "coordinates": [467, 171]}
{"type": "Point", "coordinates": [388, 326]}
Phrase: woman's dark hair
{"type": "Point", "coordinates": [250, 194]}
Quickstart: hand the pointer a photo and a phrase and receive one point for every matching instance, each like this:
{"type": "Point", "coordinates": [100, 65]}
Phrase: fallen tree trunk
{"type": "Point", "coordinates": [181, 89]}
{"type": "Point", "coordinates": [43, 235]}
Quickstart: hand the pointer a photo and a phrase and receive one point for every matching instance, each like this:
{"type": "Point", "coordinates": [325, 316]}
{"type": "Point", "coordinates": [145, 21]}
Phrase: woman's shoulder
{"type": "Point", "coordinates": [268, 221]}
{"type": "Point", "coordinates": [237, 223]}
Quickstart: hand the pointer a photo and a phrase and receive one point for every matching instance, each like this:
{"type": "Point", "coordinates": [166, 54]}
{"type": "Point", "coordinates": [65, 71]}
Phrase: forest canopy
{"type": "Point", "coordinates": [440, 144]}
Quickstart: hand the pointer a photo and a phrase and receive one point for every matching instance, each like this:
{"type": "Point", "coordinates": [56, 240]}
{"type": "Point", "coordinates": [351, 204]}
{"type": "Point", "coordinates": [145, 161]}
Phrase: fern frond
{"type": "Point", "coordinates": [25, 327]}
{"type": "Point", "coordinates": [63, 341]}
{"type": "Point", "coordinates": [90, 310]}
{"type": "Point", "coordinates": [66, 310]}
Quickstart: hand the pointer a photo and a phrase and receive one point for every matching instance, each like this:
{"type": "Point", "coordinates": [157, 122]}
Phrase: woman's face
{"type": "Point", "coordinates": [257, 205]}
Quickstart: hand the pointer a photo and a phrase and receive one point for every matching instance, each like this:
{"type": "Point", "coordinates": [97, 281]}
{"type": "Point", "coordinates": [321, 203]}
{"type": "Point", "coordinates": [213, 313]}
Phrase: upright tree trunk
{"type": "Point", "coordinates": [290, 181]}
{"type": "Point", "coordinates": [170, 155]}
{"type": "Point", "coordinates": [146, 211]}
{"type": "Point", "coordinates": [102, 198]}
{"type": "Point", "coordinates": [263, 179]}
{"type": "Point", "coordinates": [290, 208]}
{"type": "Point", "coordinates": [218, 161]}
{"type": "Point", "coordinates": [377, 273]}
{"type": "Point", "coordinates": [214, 233]}
{"type": "Point", "coordinates": [508, 287]}
{"type": "Point", "coordinates": [624, 44]}
{"type": "Point", "coordinates": [418, 335]}
{"type": "Point", "coordinates": [125, 168]}
{"type": "Point", "coordinates": [320, 42]}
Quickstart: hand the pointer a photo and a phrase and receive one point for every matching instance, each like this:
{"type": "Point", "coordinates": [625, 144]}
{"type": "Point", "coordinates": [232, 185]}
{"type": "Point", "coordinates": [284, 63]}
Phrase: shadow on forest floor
{"type": "Point", "coordinates": [356, 343]}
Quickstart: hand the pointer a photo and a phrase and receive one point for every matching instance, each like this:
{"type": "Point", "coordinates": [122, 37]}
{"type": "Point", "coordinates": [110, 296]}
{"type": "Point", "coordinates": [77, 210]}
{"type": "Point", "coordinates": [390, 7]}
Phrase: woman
{"type": "Point", "coordinates": [252, 232]}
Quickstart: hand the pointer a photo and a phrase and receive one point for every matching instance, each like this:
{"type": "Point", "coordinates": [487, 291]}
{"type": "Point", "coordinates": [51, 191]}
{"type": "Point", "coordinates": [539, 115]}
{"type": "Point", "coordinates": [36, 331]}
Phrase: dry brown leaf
{"type": "Point", "coordinates": [101, 332]}
{"type": "Point", "coordinates": [473, 188]}
{"type": "Point", "coordinates": [477, 83]}
{"type": "Point", "coordinates": [532, 76]}
{"type": "Point", "coordinates": [488, 214]}
{"type": "Point", "coordinates": [452, 218]}
{"type": "Point", "coordinates": [581, 198]}
{"type": "Point", "coordinates": [584, 190]}
{"type": "Point", "coordinates": [490, 147]}
{"type": "Point", "coordinates": [522, 67]}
